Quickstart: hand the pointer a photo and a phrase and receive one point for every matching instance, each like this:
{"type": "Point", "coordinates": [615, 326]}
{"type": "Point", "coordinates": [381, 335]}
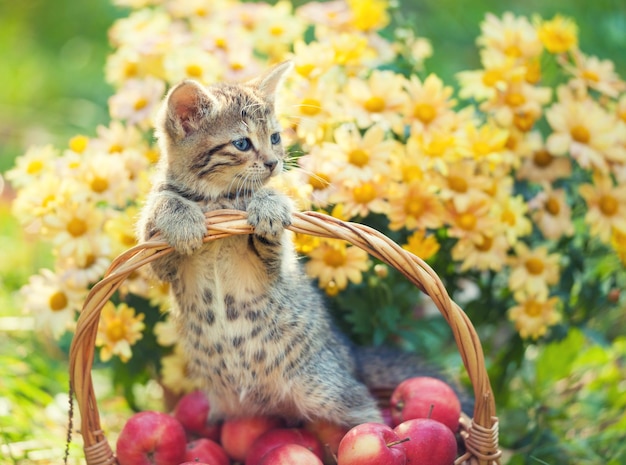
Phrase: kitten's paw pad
{"type": "Point", "coordinates": [185, 236]}
{"type": "Point", "coordinates": [269, 213]}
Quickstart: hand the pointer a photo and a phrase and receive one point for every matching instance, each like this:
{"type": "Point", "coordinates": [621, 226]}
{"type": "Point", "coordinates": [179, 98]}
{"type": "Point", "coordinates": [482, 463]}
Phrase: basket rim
{"type": "Point", "coordinates": [480, 432]}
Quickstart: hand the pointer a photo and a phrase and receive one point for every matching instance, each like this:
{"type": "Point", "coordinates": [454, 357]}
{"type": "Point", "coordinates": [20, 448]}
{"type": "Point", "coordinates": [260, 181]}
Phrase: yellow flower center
{"type": "Point", "coordinates": [481, 148]}
{"type": "Point", "coordinates": [152, 155]}
{"type": "Point", "coordinates": [485, 245]}
{"type": "Point", "coordinates": [534, 265]}
{"type": "Point", "coordinates": [491, 77]}
{"type": "Point", "coordinates": [76, 227]}
{"type": "Point", "coordinates": [533, 71]}
{"type": "Point", "coordinates": [99, 185]}
{"type": "Point", "coordinates": [115, 330]}
{"type": "Point", "coordinates": [140, 103]}
{"type": "Point", "coordinates": [413, 207]}
{"type": "Point", "coordinates": [508, 217]}
{"type": "Point", "coordinates": [411, 172]}
{"type": "Point", "coordinates": [194, 71]}
{"type": "Point", "coordinates": [116, 148]}
{"type": "Point", "coordinates": [542, 158]}
{"type": "Point", "coordinates": [34, 167]}
{"type": "Point", "coordinates": [319, 181]}
{"type": "Point", "coordinates": [533, 308]}
{"type": "Point", "coordinates": [424, 112]}
{"type": "Point", "coordinates": [78, 144]}
{"type": "Point", "coordinates": [58, 301]}
{"type": "Point", "coordinates": [590, 75]}
{"type": "Point", "coordinates": [305, 70]}
{"type": "Point", "coordinates": [310, 106]}
{"type": "Point", "coordinates": [90, 259]}
{"type": "Point", "coordinates": [553, 206]}
{"type": "Point", "coordinates": [580, 134]}
{"type": "Point", "coordinates": [332, 289]}
{"type": "Point", "coordinates": [220, 42]}
{"type": "Point", "coordinates": [364, 193]}
{"type": "Point", "coordinates": [457, 184]}
{"type": "Point", "coordinates": [513, 51]}
{"type": "Point", "coordinates": [202, 12]}
{"type": "Point", "coordinates": [277, 30]}
{"type": "Point", "coordinates": [336, 257]}
{"type": "Point", "coordinates": [358, 157]}
{"type": "Point", "coordinates": [608, 205]}
{"type": "Point", "coordinates": [236, 66]}
{"type": "Point", "coordinates": [128, 240]}
{"type": "Point", "coordinates": [467, 221]}
{"type": "Point", "coordinates": [375, 104]}
{"type": "Point", "coordinates": [523, 121]}
{"type": "Point", "coordinates": [514, 99]}
{"type": "Point", "coordinates": [131, 69]}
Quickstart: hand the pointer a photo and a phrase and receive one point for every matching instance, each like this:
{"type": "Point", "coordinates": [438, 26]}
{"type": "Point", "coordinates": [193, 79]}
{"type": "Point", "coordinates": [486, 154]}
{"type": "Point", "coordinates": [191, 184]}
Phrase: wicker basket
{"type": "Point", "coordinates": [480, 434]}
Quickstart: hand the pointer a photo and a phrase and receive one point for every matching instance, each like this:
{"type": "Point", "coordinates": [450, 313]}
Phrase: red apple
{"type": "Point", "coordinates": [371, 444]}
{"type": "Point", "coordinates": [290, 454]}
{"type": "Point", "coordinates": [151, 438]}
{"type": "Point", "coordinates": [206, 450]}
{"type": "Point", "coordinates": [238, 434]}
{"type": "Point", "coordinates": [329, 434]}
{"type": "Point", "coordinates": [192, 410]}
{"type": "Point", "coordinates": [193, 462]}
{"type": "Point", "coordinates": [425, 397]}
{"type": "Point", "coordinates": [430, 442]}
{"type": "Point", "coordinates": [279, 436]}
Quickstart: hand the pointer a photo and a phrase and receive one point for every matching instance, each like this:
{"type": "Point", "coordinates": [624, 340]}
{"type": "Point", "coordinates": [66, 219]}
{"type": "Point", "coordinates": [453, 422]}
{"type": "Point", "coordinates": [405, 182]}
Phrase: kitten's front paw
{"type": "Point", "coordinates": [269, 213]}
{"type": "Point", "coordinates": [184, 231]}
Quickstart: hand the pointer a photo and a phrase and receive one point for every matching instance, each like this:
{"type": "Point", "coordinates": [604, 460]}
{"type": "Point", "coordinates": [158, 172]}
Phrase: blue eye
{"type": "Point", "coordinates": [243, 144]}
{"type": "Point", "coordinates": [275, 138]}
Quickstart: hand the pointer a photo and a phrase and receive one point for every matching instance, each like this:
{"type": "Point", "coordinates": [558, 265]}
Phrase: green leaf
{"type": "Point", "coordinates": [556, 359]}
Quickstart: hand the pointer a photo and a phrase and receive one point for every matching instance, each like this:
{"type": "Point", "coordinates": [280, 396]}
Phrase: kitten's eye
{"type": "Point", "coordinates": [275, 138]}
{"type": "Point", "coordinates": [243, 144]}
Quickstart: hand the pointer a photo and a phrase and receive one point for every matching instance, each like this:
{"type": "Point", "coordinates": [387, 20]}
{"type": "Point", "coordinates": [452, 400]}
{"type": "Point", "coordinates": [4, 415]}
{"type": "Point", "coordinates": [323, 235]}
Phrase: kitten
{"type": "Point", "coordinates": [254, 328]}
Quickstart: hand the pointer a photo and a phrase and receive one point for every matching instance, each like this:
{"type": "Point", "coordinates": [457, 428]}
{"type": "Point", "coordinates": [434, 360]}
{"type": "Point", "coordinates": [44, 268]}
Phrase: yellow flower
{"type": "Point", "coordinates": [422, 245]}
{"type": "Point", "coordinates": [618, 241]}
{"type": "Point", "coordinates": [74, 227]}
{"type": "Point", "coordinates": [473, 221]}
{"type": "Point", "coordinates": [557, 35]}
{"type": "Point", "coordinates": [429, 104]}
{"type": "Point", "coordinates": [533, 315]}
{"type": "Point", "coordinates": [596, 74]}
{"type": "Point", "coordinates": [52, 302]}
{"type": "Point", "coordinates": [32, 166]}
{"type": "Point", "coordinates": [334, 263]}
{"type": "Point", "coordinates": [191, 62]}
{"type": "Point", "coordinates": [533, 271]}
{"type": "Point", "coordinates": [377, 99]}
{"type": "Point", "coordinates": [551, 213]}
{"type": "Point", "coordinates": [606, 206]}
{"type": "Point", "coordinates": [369, 15]}
{"type": "Point", "coordinates": [176, 374]}
{"type": "Point", "coordinates": [414, 205]}
{"type": "Point", "coordinates": [166, 333]}
{"type": "Point", "coordinates": [360, 157]}
{"type": "Point", "coordinates": [513, 37]}
{"type": "Point", "coordinates": [361, 198]}
{"type": "Point", "coordinates": [543, 166]}
{"type": "Point", "coordinates": [487, 253]}
{"type": "Point", "coordinates": [584, 129]}
{"type": "Point", "coordinates": [485, 143]}
{"type": "Point", "coordinates": [510, 212]}
{"type": "Point", "coordinates": [118, 330]}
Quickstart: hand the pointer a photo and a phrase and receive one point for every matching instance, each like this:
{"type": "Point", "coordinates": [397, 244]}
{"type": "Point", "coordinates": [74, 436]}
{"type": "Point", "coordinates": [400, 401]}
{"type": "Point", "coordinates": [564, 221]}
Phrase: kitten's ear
{"type": "Point", "coordinates": [185, 107]}
{"type": "Point", "coordinates": [268, 82]}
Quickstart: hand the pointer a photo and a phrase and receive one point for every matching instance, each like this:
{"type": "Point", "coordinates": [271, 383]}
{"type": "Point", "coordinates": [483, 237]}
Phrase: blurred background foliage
{"type": "Point", "coordinates": [52, 87]}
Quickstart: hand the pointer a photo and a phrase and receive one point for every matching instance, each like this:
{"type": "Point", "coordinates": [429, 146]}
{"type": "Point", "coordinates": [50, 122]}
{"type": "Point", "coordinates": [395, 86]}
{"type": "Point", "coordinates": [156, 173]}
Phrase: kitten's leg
{"type": "Point", "coordinates": [336, 397]}
{"type": "Point", "coordinates": [181, 223]}
{"type": "Point", "coordinates": [269, 213]}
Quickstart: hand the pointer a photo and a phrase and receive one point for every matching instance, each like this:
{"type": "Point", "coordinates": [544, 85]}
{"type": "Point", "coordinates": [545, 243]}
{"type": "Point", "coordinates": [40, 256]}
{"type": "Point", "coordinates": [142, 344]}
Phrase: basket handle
{"type": "Point", "coordinates": [480, 433]}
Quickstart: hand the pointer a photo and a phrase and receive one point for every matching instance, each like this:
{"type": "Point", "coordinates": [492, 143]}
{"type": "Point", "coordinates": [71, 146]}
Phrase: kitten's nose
{"type": "Point", "coordinates": [270, 164]}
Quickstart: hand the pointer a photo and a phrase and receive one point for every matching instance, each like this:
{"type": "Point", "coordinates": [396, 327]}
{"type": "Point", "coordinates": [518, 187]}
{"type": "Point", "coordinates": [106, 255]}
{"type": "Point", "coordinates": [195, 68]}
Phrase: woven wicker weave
{"type": "Point", "coordinates": [480, 433]}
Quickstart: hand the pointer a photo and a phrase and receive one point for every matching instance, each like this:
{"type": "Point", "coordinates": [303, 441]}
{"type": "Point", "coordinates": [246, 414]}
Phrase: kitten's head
{"type": "Point", "coordinates": [222, 139]}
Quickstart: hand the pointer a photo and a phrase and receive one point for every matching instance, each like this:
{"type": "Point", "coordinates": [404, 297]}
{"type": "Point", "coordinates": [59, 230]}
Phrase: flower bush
{"type": "Point", "coordinates": [510, 182]}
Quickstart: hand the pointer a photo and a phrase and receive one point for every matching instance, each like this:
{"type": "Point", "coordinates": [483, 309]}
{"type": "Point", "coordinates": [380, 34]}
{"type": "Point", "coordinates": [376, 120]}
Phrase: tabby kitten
{"type": "Point", "coordinates": [254, 328]}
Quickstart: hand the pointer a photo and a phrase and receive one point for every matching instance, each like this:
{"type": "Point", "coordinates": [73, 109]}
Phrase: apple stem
{"type": "Point", "coordinates": [395, 443]}
{"type": "Point", "coordinates": [430, 411]}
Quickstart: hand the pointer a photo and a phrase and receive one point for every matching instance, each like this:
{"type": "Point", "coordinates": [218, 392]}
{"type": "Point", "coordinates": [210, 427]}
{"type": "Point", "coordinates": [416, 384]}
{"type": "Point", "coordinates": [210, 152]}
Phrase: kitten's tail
{"type": "Point", "coordinates": [381, 369]}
